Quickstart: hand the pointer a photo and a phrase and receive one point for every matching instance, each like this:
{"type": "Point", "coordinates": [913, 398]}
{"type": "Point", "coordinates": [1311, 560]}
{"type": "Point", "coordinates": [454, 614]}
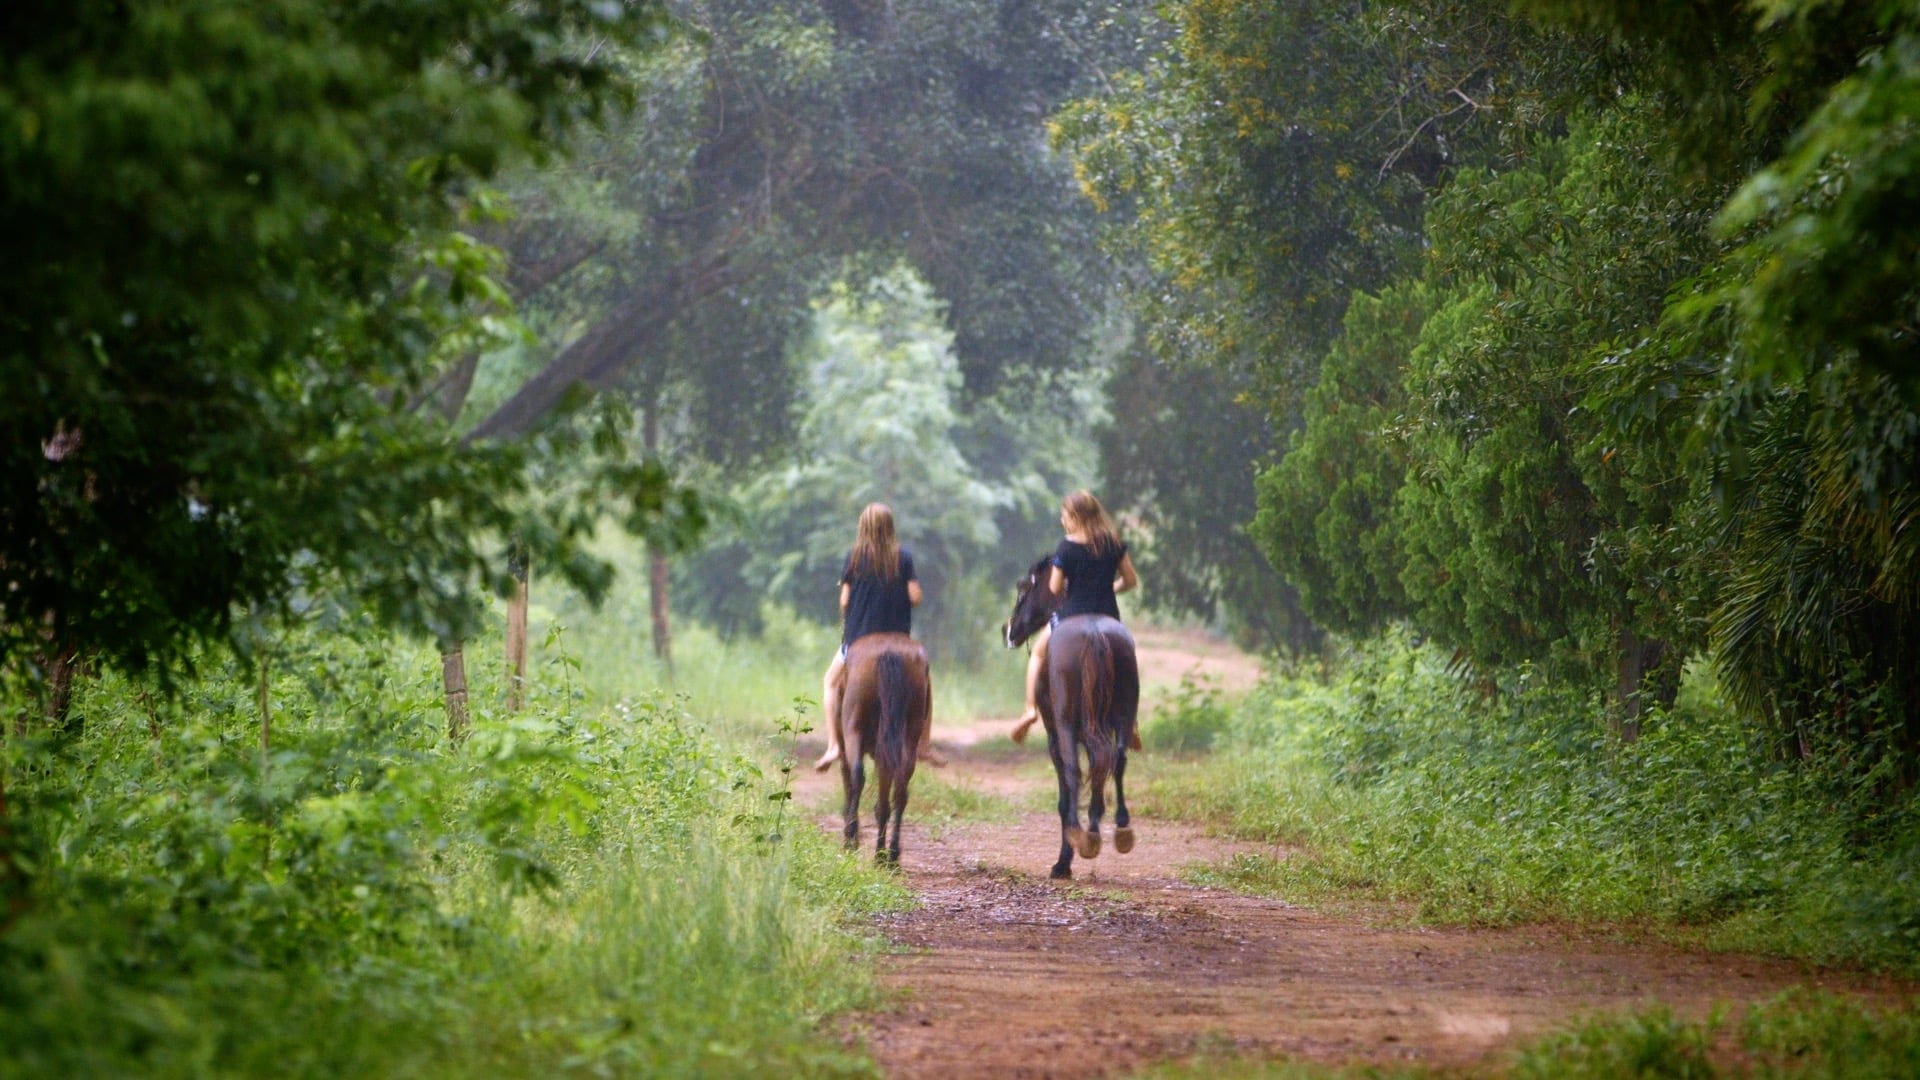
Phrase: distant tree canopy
{"type": "Point", "coordinates": [1595, 324]}
{"type": "Point", "coordinates": [232, 258]}
{"type": "Point", "coordinates": [880, 421]}
{"type": "Point", "coordinates": [796, 143]}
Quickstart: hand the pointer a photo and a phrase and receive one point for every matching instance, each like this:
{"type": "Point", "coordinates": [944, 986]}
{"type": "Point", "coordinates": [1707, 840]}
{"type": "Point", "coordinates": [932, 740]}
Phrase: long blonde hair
{"type": "Point", "coordinates": [875, 551]}
{"type": "Point", "coordinates": [1092, 521]}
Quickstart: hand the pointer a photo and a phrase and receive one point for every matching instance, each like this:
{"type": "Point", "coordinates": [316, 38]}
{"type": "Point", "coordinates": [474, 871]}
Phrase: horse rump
{"type": "Point", "coordinates": [903, 710]}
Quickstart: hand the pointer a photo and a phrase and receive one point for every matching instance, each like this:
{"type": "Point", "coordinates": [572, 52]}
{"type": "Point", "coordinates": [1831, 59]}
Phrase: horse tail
{"type": "Point", "coordinates": [1096, 703]}
{"type": "Point", "coordinates": [894, 743]}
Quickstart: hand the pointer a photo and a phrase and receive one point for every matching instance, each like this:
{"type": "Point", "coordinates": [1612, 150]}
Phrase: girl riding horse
{"type": "Point", "coordinates": [878, 592]}
{"type": "Point", "coordinates": [1091, 566]}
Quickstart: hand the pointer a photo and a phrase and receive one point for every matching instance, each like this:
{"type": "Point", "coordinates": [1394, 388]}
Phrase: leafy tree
{"type": "Point", "coordinates": [1276, 158]}
{"type": "Point", "coordinates": [1327, 507]}
{"type": "Point", "coordinates": [1808, 315]}
{"type": "Point", "coordinates": [1816, 627]}
{"type": "Point", "coordinates": [232, 259]}
{"type": "Point", "coordinates": [1180, 456]}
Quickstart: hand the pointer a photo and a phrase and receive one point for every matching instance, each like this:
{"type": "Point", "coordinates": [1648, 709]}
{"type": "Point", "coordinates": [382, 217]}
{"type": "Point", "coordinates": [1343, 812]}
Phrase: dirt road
{"type": "Point", "coordinates": [1004, 973]}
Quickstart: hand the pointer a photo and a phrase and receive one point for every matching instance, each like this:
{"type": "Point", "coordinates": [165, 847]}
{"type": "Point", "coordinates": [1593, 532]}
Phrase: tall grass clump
{"type": "Point", "coordinates": [1397, 778]}
{"type": "Point", "coordinates": [607, 890]}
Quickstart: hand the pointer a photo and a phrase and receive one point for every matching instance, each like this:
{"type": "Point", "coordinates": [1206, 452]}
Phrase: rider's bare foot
{"type": "Point", "coordinates": [827, 759]}
{"type": "Point", "coordinates": [1133, 740]}
{"type": "Point", "coordinates": [1027, 720]}
{"type": "Point", "coordinates": [933, 757]}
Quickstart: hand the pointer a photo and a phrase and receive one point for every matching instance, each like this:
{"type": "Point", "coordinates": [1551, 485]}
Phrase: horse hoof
{"type": "Point", "coordinates": [1123, 840]}
{"type": "Point", "coordinates": [1084, 842]}
{"type": "Point", "coordinates": [1061, 873]}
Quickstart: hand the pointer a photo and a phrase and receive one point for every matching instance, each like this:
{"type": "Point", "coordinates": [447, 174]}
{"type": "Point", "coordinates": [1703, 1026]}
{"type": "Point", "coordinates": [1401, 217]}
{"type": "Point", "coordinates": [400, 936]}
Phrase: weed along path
{"type": "Point", "coordinates": [1001, 972]}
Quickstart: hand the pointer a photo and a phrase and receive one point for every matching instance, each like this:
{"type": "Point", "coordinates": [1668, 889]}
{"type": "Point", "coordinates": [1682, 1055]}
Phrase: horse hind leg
{"type": "Point", "coordinates": [882, 811]}
{"type": "Point", "coordinates": [1085, 841]}
{"type": "Point", "coordinates": [1126, 706]}
{"type": "Point", "coordinates": [1063, 866]}
{"type": "Point", "coordinates": [1089, 841]}
{"type": "Point", "coordinates": [853, 777]}
{"type": "Point", "coordinates": [899, 815]}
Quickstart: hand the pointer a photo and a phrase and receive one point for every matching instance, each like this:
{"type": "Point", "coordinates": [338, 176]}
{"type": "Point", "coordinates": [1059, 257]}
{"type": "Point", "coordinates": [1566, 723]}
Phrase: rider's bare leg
{"type": "Point", "coordinates": [1036, 663]}
{"type": "Point", "coordinates": [831, 686]}
{"type": "Point", "coordinates": [926, 746]}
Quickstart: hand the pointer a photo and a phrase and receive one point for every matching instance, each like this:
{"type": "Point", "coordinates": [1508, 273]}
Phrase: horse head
{"type": "Point", "coordinates": [1033, 604]}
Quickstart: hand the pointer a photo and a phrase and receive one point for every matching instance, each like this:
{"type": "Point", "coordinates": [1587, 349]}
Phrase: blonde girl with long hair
{"type": "Point", "coordinates": [1091, 566]}
{"type": "Point", "coordinates": [878, 592]}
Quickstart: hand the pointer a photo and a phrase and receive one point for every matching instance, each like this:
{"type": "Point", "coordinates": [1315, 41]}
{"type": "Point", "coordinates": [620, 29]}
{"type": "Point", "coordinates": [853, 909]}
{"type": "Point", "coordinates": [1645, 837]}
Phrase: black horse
{"type": "Point", "coordinates": [1089, 697]}
{"type": "Point", "coordinates": [888, 703]}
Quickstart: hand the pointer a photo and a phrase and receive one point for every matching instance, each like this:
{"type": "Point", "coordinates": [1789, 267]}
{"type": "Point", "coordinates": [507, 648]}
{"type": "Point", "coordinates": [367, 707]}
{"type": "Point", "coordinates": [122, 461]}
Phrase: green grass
{"type": "Point", "coordinates": [1801, 1035]}
{"type": "Point", "coordinates": [607, 890]}
{"type": "Point", "coordinates": [933, 802]}
{"type": "Point", "coordinates": [1394, 785]}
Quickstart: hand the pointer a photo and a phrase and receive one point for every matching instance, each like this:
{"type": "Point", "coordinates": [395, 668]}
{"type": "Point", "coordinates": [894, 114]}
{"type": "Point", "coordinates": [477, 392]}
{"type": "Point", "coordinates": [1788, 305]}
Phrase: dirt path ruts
{"type": "Point", "coordinates": [1005, 973]}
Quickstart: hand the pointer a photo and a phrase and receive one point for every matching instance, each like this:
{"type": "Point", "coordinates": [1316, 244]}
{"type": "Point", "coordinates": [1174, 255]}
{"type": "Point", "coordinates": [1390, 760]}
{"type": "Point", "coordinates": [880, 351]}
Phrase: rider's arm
{"type": "Point", "coordinates": [1057, 581]}
{"type": "Point", "coordinates": [846, 594]}
{"type": "Point", "coordinates": [913, 593]}
{"type": "Point", "coordinates": [1128, 579]}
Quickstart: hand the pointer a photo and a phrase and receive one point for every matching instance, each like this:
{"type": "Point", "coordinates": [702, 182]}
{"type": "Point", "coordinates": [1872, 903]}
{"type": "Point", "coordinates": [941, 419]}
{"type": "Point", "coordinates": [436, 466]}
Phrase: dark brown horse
{"type": "Point", "coordinates": [1089, 699]}
{"type": "Point", "coordinates": [888, 703]}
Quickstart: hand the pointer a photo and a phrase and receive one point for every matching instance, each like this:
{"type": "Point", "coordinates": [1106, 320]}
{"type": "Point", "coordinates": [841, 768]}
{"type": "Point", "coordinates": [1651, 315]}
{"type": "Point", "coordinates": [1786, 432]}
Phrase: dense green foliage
{"type": "Point", "coordinates": [604, 889]}
{"type": "Point", "coordinates": [1398, 781]}
{"type": "Point", "coordinates": [1592, 323]}
{"type": "Point", "coordinates": [232, 259]}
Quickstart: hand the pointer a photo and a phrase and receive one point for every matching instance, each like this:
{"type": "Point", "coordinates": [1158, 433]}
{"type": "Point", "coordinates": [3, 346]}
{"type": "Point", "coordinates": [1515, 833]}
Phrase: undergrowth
{"type": "Point", "coordinates": [607, 890]}
{"type": "Point", "coordinates": [1398, 782]}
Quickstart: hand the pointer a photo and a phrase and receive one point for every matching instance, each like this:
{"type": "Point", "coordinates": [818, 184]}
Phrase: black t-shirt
{"type": "Point", "coordinates": [1089, 578]}
{"type": "Point", "coordinates": [877, 606]}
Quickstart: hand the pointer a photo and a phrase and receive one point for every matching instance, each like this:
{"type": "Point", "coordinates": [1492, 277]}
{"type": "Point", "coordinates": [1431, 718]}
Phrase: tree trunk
{"type": "Point", "coordinates": [451, 396]}
{"type": "Point", "coordinates": [1643, 681]}
{"type": "Point", "coordinates": [600, 355]}
{"type": "Point", "coordinates": [657, 601]}
{"type": "Point", "coordinates": [517, 633]}
{"type": "Point", "coordinates": [453, 673]}
{"type": "Point", "coordinates": [13, 884]}
{"type": "Point", "coordinates": [657, 596]}
{"type": "Point", "coordinates": [264, 700]}
{"type": "Point", "coordinates": [62, 665]}
{"type": "Point", "coordinates": [265, 703]}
